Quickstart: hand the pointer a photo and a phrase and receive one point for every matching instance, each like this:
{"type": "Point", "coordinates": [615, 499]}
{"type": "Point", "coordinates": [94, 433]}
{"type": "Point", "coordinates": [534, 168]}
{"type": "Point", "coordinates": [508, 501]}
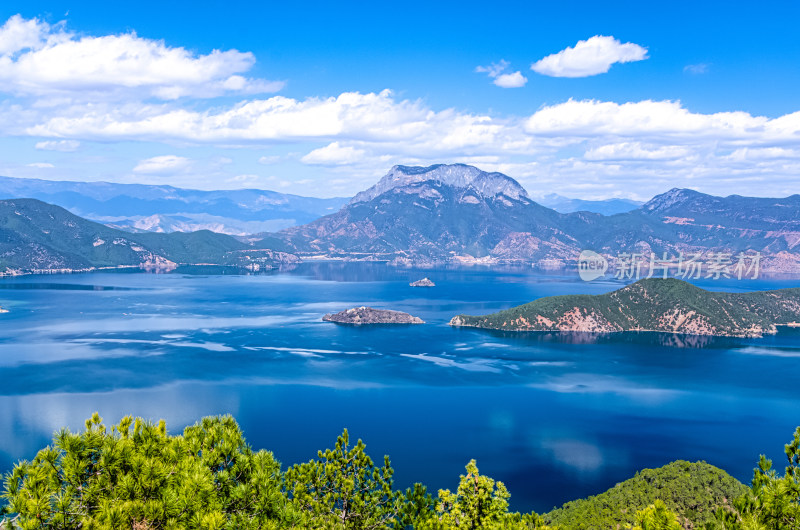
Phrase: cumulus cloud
{"type": "Point", "coordinates": [590, 118]}
{"type": "Point", "coordinates": [47, 60]}
{"type": "Point", "coordinates": [372, 117]}
{"type": "Point", "coordinates": [20, 34]}
{"type": "Point", "coordinates": [159, 165]}
{"type": "Point", "coordinates": [632, 151]}
{"type": "Point", "coordinates": [65, 146]}
{"type": "Point", "coordinates": [579, 147]}
{"type": "Point", "coordinates": [589, 57]}
{"type": "Point", "coordinates": [334, 154]}
{"type": "Point", "coordinates": [496, 71]}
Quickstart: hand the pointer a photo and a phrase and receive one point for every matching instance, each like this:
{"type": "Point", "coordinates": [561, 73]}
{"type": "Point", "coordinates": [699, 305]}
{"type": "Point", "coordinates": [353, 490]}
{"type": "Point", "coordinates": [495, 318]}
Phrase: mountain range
{"type": "Point", "coordinates": [459, 214]}
{"type": "Point", "coordinates": [40, 237]}
{"type": "Point", "coordinates": [563, 204]}
{"type": "Point", "coordinates": [146, 208]}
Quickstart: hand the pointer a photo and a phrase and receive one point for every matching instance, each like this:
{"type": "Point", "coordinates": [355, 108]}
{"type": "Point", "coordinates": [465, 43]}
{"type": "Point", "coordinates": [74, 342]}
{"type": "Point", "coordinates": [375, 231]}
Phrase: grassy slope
{"type": "Point", "coordinates": [642, 305]}
{"type": "Point", "coordinates": [693, 490]}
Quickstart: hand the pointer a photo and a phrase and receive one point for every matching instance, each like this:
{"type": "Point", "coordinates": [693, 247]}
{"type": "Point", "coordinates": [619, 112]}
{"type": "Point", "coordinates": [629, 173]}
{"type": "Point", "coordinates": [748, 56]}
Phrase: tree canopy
{"type": "Point", "coordinates": [135, 475]}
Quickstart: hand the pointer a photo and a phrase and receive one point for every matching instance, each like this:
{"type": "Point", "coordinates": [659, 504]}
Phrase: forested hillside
{"type": "Point", "coordinates": [135, 475]}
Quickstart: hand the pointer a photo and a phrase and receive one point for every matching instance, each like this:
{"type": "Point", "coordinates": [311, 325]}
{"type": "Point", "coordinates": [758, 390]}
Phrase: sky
{"type": "Point", "coordinates": [584, 99]}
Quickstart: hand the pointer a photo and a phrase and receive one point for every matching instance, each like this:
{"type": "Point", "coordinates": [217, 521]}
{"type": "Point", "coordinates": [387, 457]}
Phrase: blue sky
{"type": "Point", "coordinates": [585, 99]}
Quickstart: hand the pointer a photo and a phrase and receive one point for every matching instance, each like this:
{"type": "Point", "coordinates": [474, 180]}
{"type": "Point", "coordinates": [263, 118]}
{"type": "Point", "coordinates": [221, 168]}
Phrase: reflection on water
{"type": "Point", "coordinates": [59, 286]}
{"type": "Point", "coordinates": [643, 338]}
{"type": "Point", "coordinates": [583, 410]}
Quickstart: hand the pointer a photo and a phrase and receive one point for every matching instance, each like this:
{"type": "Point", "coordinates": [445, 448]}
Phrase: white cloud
{"type": "Point", "coordinates": [589, 57]}
{"type": "Point", "coordinates": [41, 165]}
{"type": "Point", "coordinates": [513, 80]}
{"type": "Point", "coordinates": [65, 146]}
{"type": "Point", "coordinates": [631, 151]}
{"type": "Point", "coordinates": [19, 34]}
{"type": "Point", "coordinates": [267, 160]}
{"type": "Point", "coordinates": [334, 154]}
{"type": "Point", "coordinates": [39, 59]}
{"type": "Point", "coordinates": [496, 72]}
{"type": "Point", "coordinates": [759, 154]}
{"type": "Point", "coordinates": [589, 118]}
{"type": "Point", "coordinates": [371, 116]}
{"type": "Point", "coordinates": [583, 148]}
{"type": "Point", "coordinates": [699, 68]}
{"type": "Point", "coordinates": [162, 165]}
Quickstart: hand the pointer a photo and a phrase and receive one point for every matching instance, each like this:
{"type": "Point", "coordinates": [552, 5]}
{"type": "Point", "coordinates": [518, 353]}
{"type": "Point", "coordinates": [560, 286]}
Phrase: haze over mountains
{"type": "Point", "coordinates": [462, 215]}
{"type": "Point", "coordinates": [146, 208]}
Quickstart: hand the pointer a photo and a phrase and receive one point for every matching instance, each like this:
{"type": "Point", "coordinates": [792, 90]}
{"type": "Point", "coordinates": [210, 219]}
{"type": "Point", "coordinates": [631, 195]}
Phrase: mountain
{"type": "Point", "coordinates": [654, 304]}
{"type": "Point", "coordinates": [438, 213]}
{"type": "Point", "coordinates": [605, 207]}
{"type": "Point", "coordinates": [688, 222]}
{"type": "Point", "coordinates": [36, 237]}
{"type": "Point", "coordinates": [460, 214]}
{"type": "Point", "coordinates": [692, 208]}
{"type": "Point", "coordinates": [462, 176]}
{"type": "Point", "coordinates": [691, 490]}
{"type": "Point", "coordinates": [143, 208]}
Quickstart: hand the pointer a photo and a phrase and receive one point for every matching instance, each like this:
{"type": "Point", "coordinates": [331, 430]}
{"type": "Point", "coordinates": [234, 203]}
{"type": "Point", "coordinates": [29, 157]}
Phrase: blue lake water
{"type": "Point", "coordinates": [555, 416]}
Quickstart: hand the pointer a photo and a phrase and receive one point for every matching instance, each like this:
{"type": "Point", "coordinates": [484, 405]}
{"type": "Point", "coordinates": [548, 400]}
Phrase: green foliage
{"type": "Point", "coordinates": [137, 476]}
{"type": "Point", "coordinates": [344, 489]}
{"type": "Point", "coordinates": [646, 304]}
{"type": "Point", "coordinates": [656, 517]}
{"type": "Point", "coordinates": [773, 501]}
{"type": "Point", "coordinates": [479, 502]}
{"type": "Point", "coordinates": [693, 491]}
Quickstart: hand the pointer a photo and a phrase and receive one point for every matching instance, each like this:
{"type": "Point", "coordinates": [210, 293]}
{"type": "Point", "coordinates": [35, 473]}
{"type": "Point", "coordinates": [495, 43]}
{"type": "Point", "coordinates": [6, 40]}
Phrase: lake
{"type": "Point", "coordinates": [554, 416]}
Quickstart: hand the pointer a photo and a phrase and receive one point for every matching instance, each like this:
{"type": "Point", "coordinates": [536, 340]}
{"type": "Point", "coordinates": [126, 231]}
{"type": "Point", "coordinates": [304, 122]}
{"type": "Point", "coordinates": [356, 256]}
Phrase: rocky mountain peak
{"type": "Point", "coordinates": [671, 199]}
{"type": "Point", "coordinates": [485, 184]}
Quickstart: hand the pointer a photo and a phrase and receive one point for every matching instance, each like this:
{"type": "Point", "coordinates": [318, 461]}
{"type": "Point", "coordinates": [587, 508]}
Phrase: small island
{"type": "Point", "coordinates": [664, 305]}
{"type": "Point", "coordinates": [367, 315]}
{"type": "Point", "coordinates": [424, 282]}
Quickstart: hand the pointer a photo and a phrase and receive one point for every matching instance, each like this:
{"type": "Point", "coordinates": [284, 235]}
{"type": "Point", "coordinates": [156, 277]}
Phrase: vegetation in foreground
{"type": "Point", "coordinates": [136, 476]}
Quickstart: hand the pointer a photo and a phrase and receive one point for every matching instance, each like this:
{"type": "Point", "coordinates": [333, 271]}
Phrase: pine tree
{"type": "Point", "coordinates": [137, 476]}
{"type": "Point", "coordinates": [344, 489]}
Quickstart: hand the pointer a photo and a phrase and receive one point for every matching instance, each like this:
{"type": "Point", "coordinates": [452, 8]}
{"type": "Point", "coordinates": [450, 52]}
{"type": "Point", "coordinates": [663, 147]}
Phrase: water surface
{"type": "Point", "coordinates": [555, 416]}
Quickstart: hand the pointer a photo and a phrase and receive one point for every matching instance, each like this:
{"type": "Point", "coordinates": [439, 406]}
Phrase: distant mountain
{"type": "Point", "coordinates": [654, 304]}
{"type": "Point", "coordinates": [688, 222]}
{"type": "Point", "coordinates": [37, 237]}
{"type": "Point", "coordinates": [692, 208]}
{"type": "Point", "coordinates": [439, 213]}
{"type": "Point", "coordinates": [460, 214]}
{"type": "Point", "coordinates": [605, 207]}
{"type": "Point", "coordinates": [143, 208]}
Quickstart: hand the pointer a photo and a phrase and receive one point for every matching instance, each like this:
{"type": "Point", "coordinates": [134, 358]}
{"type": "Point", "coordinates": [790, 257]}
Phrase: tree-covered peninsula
{"type": "Point", "coordinates": [653, 304]}
{"type": "Point", "coordinates": [135, 475]}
